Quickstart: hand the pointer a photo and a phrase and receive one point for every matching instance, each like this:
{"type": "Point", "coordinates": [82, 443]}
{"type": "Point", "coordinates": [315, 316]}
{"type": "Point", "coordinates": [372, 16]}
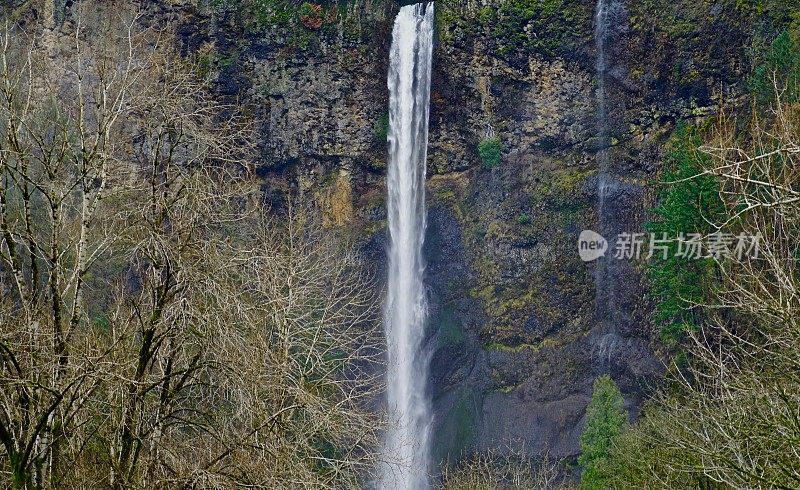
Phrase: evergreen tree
{"type": "Point", "coordinates": [779, 69]}
{"type": "Point", "coordinates": [605, 417]}
{"type": "Point", "coordinates": [688, 201]}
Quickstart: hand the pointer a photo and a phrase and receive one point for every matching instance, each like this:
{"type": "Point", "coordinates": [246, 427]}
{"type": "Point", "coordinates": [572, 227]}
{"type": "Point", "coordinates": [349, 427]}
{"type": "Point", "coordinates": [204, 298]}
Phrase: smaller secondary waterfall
{"type": "Point", "coordinates": [605, 273]}
{"type": "Point", "coordinates": [602, 294]}
{"type": "Point", "coordinates": [406, 448]}
{"type": "Point", "coordinates": [601, 20]}
{"type": "Point", "coordinates": [613, 211]}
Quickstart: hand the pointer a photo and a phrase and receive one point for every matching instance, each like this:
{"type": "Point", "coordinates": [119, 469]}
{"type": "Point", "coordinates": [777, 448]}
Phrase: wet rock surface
{"type": "Point", "coordinates": [514, 334]}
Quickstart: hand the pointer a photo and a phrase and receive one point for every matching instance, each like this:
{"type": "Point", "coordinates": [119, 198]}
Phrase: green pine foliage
{"type": "Point", "coordinates": [687, 200]}
{"type": "Point", "coordinates": [605, 418]}
{"type": "Point", "coordinates": [780, 67]}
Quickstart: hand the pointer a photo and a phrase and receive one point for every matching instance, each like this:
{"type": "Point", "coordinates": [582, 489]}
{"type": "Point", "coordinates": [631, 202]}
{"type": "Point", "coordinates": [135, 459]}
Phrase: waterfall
{"type": "Point", "coordinates": [603, 296]}
{"type": "Point", "coordinates": [406, 448]}
{"type": "Point", "coordinates": [600, 38]}
{"type": "Point", "coordinates": [604, 284]}
{"type": "Point", "coordinates": [609, 292]}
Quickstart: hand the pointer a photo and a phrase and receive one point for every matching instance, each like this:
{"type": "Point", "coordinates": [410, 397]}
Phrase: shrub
{"type": "Point", "coordinates": [311, 15]}
{"type": "Point", "coordinates": [490, 151]}
{"type": "Point", "coordinates": [486, 15]}
{"type": "Point", "coordinates": [267, 13]}
{"type": "Point", "coordinates": [513, 469]}
{"type": "Point", "coordinates": [479, 233]}
{"type": "Point", "coordinates": [727, 416]}
{"type": "Point", "coordinates": [524, 219]}
{"type": "Point", "coordinates": [382, 128]}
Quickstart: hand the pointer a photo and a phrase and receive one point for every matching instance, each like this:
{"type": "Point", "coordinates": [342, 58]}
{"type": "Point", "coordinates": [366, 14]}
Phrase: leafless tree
{"type": "Point", "coordinates": [156, 328]}
{"type": "Point", "coordinates": [492, 470]}
{"type": "Point", "coordinates": [731, 418]}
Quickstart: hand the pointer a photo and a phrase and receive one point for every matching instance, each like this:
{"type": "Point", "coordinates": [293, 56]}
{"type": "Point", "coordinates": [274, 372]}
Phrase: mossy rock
{"type": "Point", "coordinates": [458, 431]}
{"type": "Point", "coordinates": [450, 332]}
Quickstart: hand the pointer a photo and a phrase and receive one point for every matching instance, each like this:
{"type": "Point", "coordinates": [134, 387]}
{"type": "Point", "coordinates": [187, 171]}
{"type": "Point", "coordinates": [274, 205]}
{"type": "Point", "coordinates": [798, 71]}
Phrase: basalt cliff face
{"type": "Point", "coordinates": [514, 332]}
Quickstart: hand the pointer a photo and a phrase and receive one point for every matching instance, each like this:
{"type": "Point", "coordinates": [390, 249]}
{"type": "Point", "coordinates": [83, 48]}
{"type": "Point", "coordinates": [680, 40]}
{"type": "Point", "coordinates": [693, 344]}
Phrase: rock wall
{"type": "Point", "coordinates": [514, 335]}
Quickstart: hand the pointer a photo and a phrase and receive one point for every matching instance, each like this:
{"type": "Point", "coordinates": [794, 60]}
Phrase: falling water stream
{"type": "Point", "coordinates": [406, 448]}
{"type": "Point", "coordinates": [600, 39]}
{"type": "Point", "coordinates": [604, 296]}
{"type": "Point", "coordinates": [613, 195]}
{"type": "Point", "coordinates": [605, 273]}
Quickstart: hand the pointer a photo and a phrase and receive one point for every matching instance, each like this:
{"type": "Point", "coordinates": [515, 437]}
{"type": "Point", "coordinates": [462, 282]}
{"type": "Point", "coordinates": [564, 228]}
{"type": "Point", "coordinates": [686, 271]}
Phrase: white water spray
{"type": "Point", "coordinates": [406, 448]}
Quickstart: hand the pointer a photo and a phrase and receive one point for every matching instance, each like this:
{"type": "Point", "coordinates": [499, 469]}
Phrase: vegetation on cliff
{"type": "Point", "coordinates": [157, 328]}
{"type": "Point", "coordinates": [688, 204]}
{"type": "Point", "coordinates": [492, 470]}
{"type": "Point", "coordinates": [729, 414]}
{"type": "Point", "coordinates": [490, 151]}
{"type": "Point", "coordinates": [605, 417]}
